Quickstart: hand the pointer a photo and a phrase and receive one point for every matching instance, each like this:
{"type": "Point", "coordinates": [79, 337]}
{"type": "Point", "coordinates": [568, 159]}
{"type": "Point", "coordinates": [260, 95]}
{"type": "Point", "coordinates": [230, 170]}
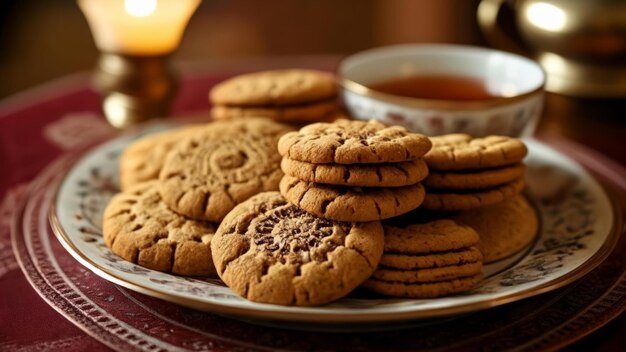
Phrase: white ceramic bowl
{"type": "Point", "coordinates": [516, 81]}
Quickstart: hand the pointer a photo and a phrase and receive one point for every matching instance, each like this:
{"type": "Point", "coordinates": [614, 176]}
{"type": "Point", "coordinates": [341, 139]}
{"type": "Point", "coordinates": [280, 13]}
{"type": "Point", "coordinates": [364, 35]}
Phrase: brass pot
{"type": "Point", "coordinates": [580, 43]}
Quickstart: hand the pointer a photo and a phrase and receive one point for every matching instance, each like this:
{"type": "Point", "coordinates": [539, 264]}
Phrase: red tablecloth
{"type": "Point", "coordinates": [35, 128]}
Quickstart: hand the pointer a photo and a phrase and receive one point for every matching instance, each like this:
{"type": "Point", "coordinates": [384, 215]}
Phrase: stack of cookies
{"type": "Point", "coordinates": [353, 170]}
{"type": "Point", "coordinates": [178, 185]}
{"type": "Point", "coordinates": [293, 96]}
{"type": "Point", "coordinates": [427, 260]}
{"type": "Point", "coordinates": [469, 173]}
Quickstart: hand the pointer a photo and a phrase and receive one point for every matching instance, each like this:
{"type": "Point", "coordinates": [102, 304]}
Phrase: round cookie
{"type": "Point", "coordinates": [422, 290]}
{"type": "Point", "coordinates": [268, 250]}
{"type": "Point", "coordinates": [462, 151]}
{"type": "Point", "coordinates": [143, 159]}
{"type": "Point", "coordinates": [444, 273]}
{"type": "Point", "coordinates": [277, 87]}
{"type": "Point", "coordinates": [351, 203]}
{"type": "Point", "coordinates": [435, 236]}
{"type": "Point", "coordinates": [430, 260]}
{"type": "Point", "coordinates": [475, 179]}
{"type": "Point", "coordinates": [139, 227]}
{"type": "Point", "coordinates": [472, 199]}
{"type": "Point", "coordinates": [367, 175]}
{"type": "Point", "coordinates": [504, 229]}
{"type": "Point", "coordinates": [326, 110]}
{"type": "Point", "coordinates": [214, 170]}
{"type": "Point", "coordinates": [353, 142]}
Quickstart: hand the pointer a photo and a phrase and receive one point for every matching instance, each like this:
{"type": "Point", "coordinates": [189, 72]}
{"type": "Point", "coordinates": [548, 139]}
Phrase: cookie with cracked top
{"type": "Point", "coordinates": [504, 229]}
{"type": "Point", "coordinates": [142, 160]}
{"type": "Point", "coordinates": [462, 151]}
{"type": "Point", "coordinates": [422, 290]}
{"type": "Point", "coordinates": [353, 142]}
{"type": "Point", "coordinates": [139, 227]}
{"type": "Point", "coordinates": [475, 179]}
{"type": "Point", "coordinates": [275, 87]}
{"type": "Point", "coordinates": [362, 175]}
{"type": "Point", "coordinates": [351, 203]}
{"type": "Point", "coordinates": [327, 110]}
{"type": "Point", "coordinates": [464, 200]}
{"type": "Point", "coordinates": [268, 250]}
{"type": "Point", "coordinates": [215, 169]}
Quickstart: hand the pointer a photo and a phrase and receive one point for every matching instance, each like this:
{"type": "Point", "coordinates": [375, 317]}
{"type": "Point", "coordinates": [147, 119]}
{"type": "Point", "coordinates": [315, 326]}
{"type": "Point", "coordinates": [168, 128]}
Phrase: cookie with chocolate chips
{"type": "Point", "coordinates": [139, 227]}
{"type": "Point", "coordinates": [268, 250]}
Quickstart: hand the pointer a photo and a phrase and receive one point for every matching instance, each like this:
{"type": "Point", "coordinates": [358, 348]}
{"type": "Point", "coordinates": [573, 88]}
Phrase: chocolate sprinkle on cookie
{"type": "Point", "coordinates": [268, 250]}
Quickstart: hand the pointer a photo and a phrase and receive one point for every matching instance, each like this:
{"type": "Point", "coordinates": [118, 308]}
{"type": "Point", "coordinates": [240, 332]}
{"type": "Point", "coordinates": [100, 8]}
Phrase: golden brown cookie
{"type": "Point", "coordinates": [444, 273]}
{"type": "Point", "coordinates": [504, 229]}
{"type": "Point", "coordinates": [362, 175]}
{"type": "Point", "coordinates": [435, 236]}
{"type": "Point", "coordinates": [464, 200]}
{"type": "Point", "coordinates": [351, 203]}
{"type": "Point", "coordinates": [139, 227]}
{"type": "Point", "coordinates": [326, 110]}
{"type": "Point", "coordinates": [351, 141]}
{"type": "Point", "coordinates": [142, 160]}
{"type": "Point", "coordinates": [277, 87]}
{"type": "Point", "coordinates": [430, 260]}
{"type": "Point", "coordinates": [422, 290]}
{"type": "Point", "coordinates": [268, 250]}
{"type": "Point", "coordinates": [209, 173]}
{"type": "Point", "coordinates": [475, 179]}
{"type": "Point", "coordinates": [462, 151]}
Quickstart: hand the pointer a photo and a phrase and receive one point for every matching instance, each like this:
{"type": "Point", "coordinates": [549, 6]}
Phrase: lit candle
{"type": "Point", "coordinates": [138, 27]}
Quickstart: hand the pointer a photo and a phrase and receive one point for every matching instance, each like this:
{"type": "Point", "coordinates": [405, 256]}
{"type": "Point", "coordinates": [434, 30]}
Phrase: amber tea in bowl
{"type": "Point", "coordinates": [439, 89]}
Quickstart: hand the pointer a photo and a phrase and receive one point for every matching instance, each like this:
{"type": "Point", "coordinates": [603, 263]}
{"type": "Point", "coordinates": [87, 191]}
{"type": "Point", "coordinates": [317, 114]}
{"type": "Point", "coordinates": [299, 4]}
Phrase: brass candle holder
{"type": "Point", "coordinates": [136, 39]}
{"type": "Point", "coordinates": [134, 88]}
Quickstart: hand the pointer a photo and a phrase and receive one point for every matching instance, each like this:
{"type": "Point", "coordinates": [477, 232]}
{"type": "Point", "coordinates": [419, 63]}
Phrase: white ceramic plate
{"type": "Point", "coordinates": [576, 234]}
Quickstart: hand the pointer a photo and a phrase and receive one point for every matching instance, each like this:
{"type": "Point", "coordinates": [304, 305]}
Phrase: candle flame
{"type": "Point", "coordinates": [140, 8]}
{"type": "Point", "coordinates": [546, 16]}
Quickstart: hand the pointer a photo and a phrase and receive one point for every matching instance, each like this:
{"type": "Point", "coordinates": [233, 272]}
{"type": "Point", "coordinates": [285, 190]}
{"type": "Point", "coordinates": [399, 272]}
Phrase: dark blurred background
{"type": "Point", "coordinates": [42, 40]}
